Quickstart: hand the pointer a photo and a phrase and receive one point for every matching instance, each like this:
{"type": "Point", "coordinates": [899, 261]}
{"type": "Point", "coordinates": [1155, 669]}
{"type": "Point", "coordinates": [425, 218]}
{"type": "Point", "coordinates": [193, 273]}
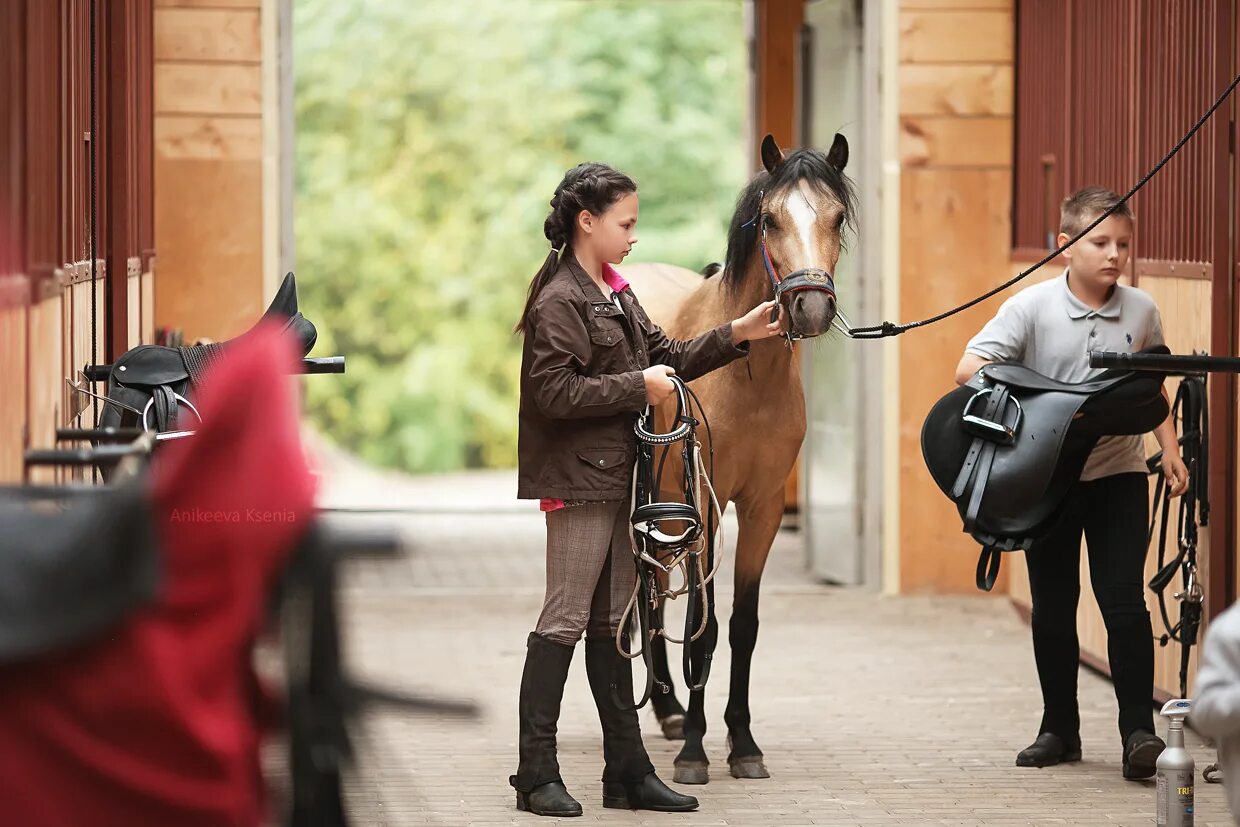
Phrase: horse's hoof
{"type": "Point", "coordinates": [691, 772]}
{"type": "Point", "coordinates": [673, 727]}
{"type": "Point", "coordinates": [751, 767]}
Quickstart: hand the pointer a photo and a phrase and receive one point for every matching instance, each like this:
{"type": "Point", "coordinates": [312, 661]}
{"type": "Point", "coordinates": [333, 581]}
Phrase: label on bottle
{"type": "Point", "coordinates": [1175, 799]}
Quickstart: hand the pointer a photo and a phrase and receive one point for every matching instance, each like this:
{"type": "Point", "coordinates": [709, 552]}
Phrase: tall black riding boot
{"type": "Point", "coordinates": [540, 789]}
{"type": "Point", "coordinates": [629, 780]}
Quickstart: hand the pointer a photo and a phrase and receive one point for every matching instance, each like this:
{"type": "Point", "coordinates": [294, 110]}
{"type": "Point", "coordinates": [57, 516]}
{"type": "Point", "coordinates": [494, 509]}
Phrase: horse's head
{"type": "Point", "coordinates": [788, 230]}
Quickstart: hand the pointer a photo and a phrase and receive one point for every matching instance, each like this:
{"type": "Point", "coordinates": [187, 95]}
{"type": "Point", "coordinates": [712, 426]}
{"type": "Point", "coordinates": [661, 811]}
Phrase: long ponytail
{"type": "Point", "coordinates": [544, 274]}
{"type": "Point", "coordinates": [590, 186]}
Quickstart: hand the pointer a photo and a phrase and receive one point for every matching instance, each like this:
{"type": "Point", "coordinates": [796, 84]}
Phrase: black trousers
{"type": "Point", "coordinates": [1113, 513]}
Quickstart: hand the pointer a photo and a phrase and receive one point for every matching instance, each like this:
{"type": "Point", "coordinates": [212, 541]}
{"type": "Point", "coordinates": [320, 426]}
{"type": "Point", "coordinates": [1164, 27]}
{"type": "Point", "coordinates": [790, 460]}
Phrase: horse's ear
{"type": "Point", "coordinates": [838, 156]}
{"type": "Point", "coordinates": [772, 155]}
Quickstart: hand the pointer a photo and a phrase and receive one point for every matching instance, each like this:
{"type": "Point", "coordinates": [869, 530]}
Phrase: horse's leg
{"type": "Point", "coordinates": [667, 706]}
{"type": "Point", "coordinates": [757, 529]}
{"type": "Point", "coordinates": [692, 765]}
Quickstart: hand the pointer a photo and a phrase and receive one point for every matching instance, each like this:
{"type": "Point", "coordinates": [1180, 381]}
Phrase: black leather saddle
{"type": "Point", "coordinates": [1008, 445]}
{"type": "Point", "coordinates": [74, 567]}
{"type": "Point", "coordinates": [150, 384]}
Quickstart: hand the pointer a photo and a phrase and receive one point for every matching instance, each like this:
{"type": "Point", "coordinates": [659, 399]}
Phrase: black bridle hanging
{"type": "Point", "coordinates": [1190, 411]}
{"type": "Point", "coordinates": [670, 536]}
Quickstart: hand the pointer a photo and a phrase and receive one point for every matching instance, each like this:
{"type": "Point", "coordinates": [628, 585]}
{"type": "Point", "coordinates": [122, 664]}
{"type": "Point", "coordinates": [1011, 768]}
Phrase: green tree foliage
{"type": "Point", "coordinates": [430, 137]}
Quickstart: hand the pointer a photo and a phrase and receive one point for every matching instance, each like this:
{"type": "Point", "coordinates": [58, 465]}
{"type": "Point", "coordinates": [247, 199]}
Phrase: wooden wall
{"type": "Point", "coordinates": [955, 113]}
{"type": "Point", "coordinates": [208, 166]}
{"type": "Point", "coordinates": [13, 377]}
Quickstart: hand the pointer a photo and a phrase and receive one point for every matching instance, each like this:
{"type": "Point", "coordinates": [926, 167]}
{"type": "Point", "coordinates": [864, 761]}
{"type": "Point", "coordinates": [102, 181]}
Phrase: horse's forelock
{"type": "Point", "coordinates": [808, 165]}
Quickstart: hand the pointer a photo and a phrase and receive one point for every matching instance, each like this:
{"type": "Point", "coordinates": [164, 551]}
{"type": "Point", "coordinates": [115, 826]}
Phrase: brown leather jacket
{"type": "Point", "coordinates": [582, 386]}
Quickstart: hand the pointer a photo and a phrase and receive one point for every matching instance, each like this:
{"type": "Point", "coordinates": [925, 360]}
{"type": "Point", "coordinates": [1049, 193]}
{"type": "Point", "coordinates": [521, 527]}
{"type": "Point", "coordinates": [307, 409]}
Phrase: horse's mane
{"type": "Point", "coordinates": [799, 165]}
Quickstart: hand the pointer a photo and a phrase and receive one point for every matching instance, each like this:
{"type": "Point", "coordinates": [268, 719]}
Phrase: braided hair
{"type": "Point", "coordinates": [591, 186]}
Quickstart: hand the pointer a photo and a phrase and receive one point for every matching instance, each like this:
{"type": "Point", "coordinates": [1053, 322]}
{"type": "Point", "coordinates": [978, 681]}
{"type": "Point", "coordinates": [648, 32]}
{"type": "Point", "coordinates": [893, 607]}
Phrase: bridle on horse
{"type": "Point", "coordinates": [670, 536]}
{"type": "Point", "coordinates": [807, 278]}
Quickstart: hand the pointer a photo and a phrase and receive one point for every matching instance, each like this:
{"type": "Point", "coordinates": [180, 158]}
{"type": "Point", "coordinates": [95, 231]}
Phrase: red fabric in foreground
{"type": "Point", "coordinates": [158, 724]}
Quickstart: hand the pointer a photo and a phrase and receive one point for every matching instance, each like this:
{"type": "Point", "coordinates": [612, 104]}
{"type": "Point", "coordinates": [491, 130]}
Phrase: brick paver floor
{"type": "Point", "coordinates": [871, 710]}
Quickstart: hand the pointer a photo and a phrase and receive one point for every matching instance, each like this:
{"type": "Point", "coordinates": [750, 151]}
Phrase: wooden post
{"type": "Point", "coordinates": [776, 47]}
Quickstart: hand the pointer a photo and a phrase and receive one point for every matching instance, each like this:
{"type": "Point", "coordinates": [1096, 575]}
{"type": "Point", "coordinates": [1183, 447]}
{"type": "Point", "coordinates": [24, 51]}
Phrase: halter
{"type": "Point", "coordinates": [807, 278]}
{"type": "Point", "coordinates": [670, 536]}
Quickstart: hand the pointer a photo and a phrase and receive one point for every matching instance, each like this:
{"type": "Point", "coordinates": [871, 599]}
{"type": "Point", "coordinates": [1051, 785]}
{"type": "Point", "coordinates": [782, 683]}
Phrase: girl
{"type": "Point", "coordinates": [592, 360]}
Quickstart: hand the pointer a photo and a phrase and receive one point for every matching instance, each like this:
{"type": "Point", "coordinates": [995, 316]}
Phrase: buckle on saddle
{"type": "Point", "coordinates": [989, 429]}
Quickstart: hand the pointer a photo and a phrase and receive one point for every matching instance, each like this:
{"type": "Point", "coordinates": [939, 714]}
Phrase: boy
{"type": "Point", "coordinates": [1051, 327]}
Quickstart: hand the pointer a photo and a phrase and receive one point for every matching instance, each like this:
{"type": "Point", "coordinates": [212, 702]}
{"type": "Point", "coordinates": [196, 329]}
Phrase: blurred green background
{"type": "Point", "coordinates": [430, 137]}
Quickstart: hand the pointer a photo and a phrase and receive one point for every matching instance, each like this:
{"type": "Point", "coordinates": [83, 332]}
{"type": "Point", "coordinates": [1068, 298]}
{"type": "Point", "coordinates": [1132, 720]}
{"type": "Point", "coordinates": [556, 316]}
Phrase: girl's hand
{"type": "Point", "coordinates": [658, 386]}
{"type": "Point", "coordinates": [756, 324]}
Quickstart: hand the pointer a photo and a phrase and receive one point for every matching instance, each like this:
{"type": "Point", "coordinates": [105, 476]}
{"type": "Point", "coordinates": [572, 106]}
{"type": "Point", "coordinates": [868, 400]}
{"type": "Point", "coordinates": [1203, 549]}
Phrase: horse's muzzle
{"type": "Point", "coordinates": [810, 302]}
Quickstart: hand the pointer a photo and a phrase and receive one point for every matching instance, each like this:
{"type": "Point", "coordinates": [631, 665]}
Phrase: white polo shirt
{"type": "Point", "coordinates": [1047, 328]}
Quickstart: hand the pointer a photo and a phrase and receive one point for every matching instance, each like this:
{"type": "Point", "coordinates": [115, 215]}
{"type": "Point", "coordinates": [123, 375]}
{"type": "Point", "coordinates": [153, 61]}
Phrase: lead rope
{"type": "Point", "coordinates": [888, 329]}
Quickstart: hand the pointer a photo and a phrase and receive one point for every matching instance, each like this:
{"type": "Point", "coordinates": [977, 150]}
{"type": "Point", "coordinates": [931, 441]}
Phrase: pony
{"type": "Point", "coordinates": [784, 241]}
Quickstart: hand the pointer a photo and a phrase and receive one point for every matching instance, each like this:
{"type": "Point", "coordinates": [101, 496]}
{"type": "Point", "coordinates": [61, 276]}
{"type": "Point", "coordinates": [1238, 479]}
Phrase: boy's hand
{"type": "Point", "coordinates": [1176, 474]}
{"type": "Point", "coordinates": [755, 325]}
{"type": "Point", "coordinates": [658, 385]}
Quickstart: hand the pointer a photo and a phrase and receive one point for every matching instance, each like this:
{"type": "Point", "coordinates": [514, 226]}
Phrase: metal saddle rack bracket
{"type": "Point", "coordinates": [670, 537]}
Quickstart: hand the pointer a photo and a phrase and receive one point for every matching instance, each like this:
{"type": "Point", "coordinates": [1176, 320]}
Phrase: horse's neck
{"type": "Point", "coordinates": [770, 372]}
{"type": "Point", "coordinates": [769, 375]}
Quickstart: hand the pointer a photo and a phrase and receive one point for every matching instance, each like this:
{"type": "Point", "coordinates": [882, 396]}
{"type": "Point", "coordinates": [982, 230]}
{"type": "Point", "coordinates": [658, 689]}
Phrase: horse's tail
{"type": "Point", "coordinates": [711, 269]}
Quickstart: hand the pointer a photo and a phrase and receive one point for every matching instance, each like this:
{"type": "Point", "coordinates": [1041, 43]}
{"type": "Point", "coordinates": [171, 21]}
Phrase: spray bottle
{"type": "Point", "coordinates": [1175, 770]}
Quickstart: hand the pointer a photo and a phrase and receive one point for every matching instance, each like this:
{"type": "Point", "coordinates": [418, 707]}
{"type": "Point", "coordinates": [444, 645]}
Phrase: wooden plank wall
{"type": "Point", "coordinates": [208, 166]}
{"type": "Point", "coordinates": [1184, 303]}
{"type": "Point", "coordinates": [12, 375]}
{"type": "Point", "coordinates": [956, 102]}
{"type": "Point", "coordinates": [48, 367]}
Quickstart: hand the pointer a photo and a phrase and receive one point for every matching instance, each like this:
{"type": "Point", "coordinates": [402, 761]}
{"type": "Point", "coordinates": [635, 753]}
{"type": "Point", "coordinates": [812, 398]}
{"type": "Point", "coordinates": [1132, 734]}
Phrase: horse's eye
{"type": "Point", "coordinates": [769, 221]}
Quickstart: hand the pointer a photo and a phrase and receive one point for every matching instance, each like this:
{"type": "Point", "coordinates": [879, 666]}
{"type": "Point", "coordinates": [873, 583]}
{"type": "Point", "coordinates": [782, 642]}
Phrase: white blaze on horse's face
{"type": "Point", "coordinates": [806, 236]}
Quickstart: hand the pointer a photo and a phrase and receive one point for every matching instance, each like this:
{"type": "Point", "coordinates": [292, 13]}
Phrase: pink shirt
{"type": "Point", "coordinates": [617, 283]}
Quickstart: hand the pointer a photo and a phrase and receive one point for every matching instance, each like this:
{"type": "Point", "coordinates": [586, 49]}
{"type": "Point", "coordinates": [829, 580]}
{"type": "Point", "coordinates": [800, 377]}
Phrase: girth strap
{"type": "Point", "coordinates": [975, 470]}
{"type": "Point", "coordinates": [973, 476]}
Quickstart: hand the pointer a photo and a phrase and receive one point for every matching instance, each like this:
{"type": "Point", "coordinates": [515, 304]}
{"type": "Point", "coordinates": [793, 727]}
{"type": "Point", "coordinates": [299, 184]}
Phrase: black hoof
{"type": "Point", "coordinates": [691, 772]}
{"type": "Point", "coordinates": [748, 767]}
